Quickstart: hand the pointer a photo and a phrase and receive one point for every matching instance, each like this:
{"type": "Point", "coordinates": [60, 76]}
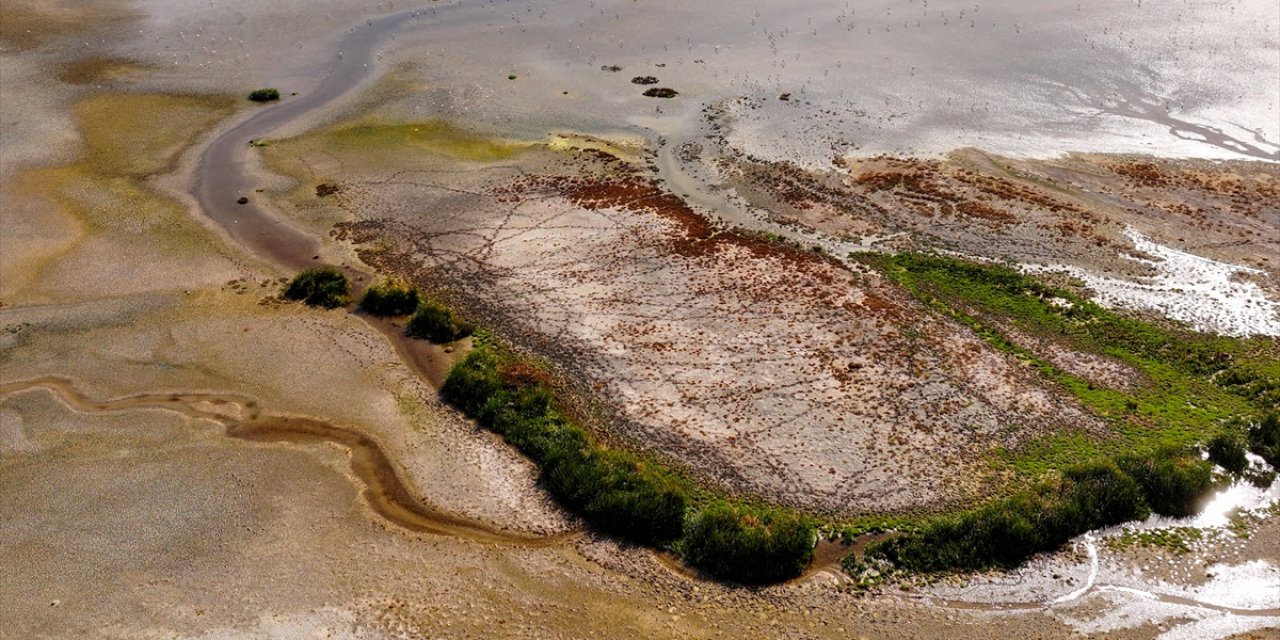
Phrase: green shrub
{"type": "Point", "coordinates": [615, 491]}
{"type": "Point", "coordinates": [321, 287]}
{"type": "Point", "coordinates": [1174, 481]}
{"type": "Point", "coordinates": [748, 544]}
{"type": "Point", "coordinates": [435, 322]}
{"type": "Point", "coordinates": [472, 382]}
{"type": "Point", "coordinates": [619, 492]}
{"type": "Point", "coordinates": [1227, 450]}
{"type": "Point", "coordinates": [1007, 532]}
{"type": "Point", "coordinates": [264, 95]}
{"type": "Point", "coordinates": [1264, 438]}
{"type": "Point", "coordinates": [390, 298]}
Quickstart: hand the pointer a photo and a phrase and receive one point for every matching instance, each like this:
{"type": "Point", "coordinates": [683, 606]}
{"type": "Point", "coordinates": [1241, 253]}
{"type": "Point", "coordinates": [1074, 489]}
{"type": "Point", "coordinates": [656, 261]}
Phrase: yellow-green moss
{"type": "Point", "coordinates": [433, 137]}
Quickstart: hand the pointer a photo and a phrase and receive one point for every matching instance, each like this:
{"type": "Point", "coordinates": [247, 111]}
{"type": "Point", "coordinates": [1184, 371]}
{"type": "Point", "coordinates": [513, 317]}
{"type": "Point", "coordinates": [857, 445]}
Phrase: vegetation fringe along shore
{"type": "Point", "coordinates": [640, 500]}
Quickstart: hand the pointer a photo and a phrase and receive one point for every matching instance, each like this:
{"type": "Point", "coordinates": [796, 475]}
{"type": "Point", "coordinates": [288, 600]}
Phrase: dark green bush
{"type": "Point", "coordinates": [1007, 532]}
{"type": "Point", "coordinates": [615, 491]}
{"type": "Point", "coordinates": [1227, 450]}
{"type": "Point", "coordinates": [321, 287]}
{"type": "Point", "coordinates": [1264, 438]}
{"type": "Point", "coordinates": [264, 95]}
{"type": "Point", "coordinates": [390, 298]}
{"type": "Point", "coordinates": [437, 323]}
{"type": "Point", "coordinates": [619, 492]}
{"type": "Point", "coordinates": [1174, 481]}
{"type": "Point", "coordinates": [472, 382]}
{"type": "Point", "coordinates": [748, 544]}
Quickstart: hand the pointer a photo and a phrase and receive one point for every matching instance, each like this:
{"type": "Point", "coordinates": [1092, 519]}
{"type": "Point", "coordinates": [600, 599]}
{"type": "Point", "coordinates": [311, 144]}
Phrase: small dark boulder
{"type": "Point", "coordinates": [242, 200]}
{"type": "Point", "coordinates": [327, 189]}
{"type": "Point", "coordinates": [644, 80]}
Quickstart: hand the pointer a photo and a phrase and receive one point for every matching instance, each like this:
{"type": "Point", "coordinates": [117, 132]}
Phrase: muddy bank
{"type": "Point", "coordinates": [384, 490]}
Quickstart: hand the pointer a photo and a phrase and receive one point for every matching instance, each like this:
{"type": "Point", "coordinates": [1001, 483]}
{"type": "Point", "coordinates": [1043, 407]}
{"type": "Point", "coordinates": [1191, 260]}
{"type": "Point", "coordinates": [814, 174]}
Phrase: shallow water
{"type": "Point", "coordinates": [1029, 78]}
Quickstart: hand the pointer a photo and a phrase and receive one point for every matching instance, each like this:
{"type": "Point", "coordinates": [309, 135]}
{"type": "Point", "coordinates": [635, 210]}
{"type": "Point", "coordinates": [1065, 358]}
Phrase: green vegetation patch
{"type": "Point", "coordinates": [1264, 438]}
{"type": "Point", "coordinates": [1228, 449]}
{"type": "Point", "coordinates": [264, 95]}
{"type": "Point", "coordinates": [619, 492]}
{"type": "Point", "coordinates": [434, 136]}
{"type": "Point", "coordinates": [435, 322]}
{"type": "Point", "coordinates": [1192, 384]}
{"type": "Point", "coordinates": [390, 298]}
{"type": "Point", "coordinates": [1174, 482]}
{"type": "Point", "coordinates": [1175, 539]}
{"type": "Point", "coordinates": [1007, 532]}
{"type": "Point", "coordinates": [320, 287]}
{"type": "Point", "coordinates": [748, 543]}
{"type": "Point", "coordinates": [1195, 390]}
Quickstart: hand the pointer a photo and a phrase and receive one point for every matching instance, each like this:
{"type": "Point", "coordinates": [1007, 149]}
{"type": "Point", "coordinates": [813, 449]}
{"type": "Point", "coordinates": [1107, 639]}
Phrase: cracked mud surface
{"type": "Point", "coordinates": [768, 369]}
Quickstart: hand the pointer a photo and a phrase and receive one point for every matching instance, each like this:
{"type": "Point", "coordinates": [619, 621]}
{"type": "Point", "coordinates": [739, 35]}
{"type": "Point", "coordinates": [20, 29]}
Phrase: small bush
{"type": "Point", "coordinates": [1227, 450]}
{"type": "Point", "coordinates": [661, 92]}
{"type": "Point", "coordinates": [1174, 481]}
{"type": "Point", "coordinates": [264, 95]}
{"type": "Point", "coordinates": [748, 544]}
{"type": "Point", "coordinates": [321, 287]}
{"type": "Point", "coordinates": [1264, 438]}
{"type": "Point", "coordinates": [390, 298]}
{"type": "Point", "coordinates": [435, 322]}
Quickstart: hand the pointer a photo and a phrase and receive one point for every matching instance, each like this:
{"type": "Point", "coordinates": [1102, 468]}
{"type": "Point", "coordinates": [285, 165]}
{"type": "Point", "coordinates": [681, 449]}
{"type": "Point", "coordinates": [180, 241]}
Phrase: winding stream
{"type": "Point", "coordinates": [221, 177]}
{"type": "Point", "coordinates": [242, 418]}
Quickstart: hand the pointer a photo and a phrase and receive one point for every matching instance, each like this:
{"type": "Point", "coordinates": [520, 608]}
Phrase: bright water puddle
{"type": "Point", "coordinates": [1206, 294]}
{"type": "Point", "coordinates": [1241, 496]}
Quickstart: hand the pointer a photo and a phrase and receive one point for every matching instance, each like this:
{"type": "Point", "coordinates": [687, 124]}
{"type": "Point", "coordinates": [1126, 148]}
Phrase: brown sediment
{"type": "Point", "coordinates": [97, 69]}
{"type": "Point", "coordinates": [384, 490]}
{"type": "Point", "coordinates": [30, 23]}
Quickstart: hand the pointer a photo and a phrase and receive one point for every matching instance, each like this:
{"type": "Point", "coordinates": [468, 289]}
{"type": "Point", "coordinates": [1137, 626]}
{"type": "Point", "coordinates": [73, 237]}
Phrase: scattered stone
{"type": "Point", "coordinates": [611, 68]}
{"type": "Point", "coordinates": [644, 80]}
{"type": "Point", "coordinates": [327, 189]}
{"type": "Point", "coordinates": [242, 200]}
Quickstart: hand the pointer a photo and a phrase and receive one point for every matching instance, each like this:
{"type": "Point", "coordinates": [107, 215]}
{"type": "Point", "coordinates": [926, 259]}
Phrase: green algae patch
{"type": "Point", "coordinates": [114, 217]}
{"type": "Point", "coordinates": [433, 137]}
{"type": "Point", "coordinates": [137, 135]}
{"type": "Point", "coordinates": [95, 70]}
{"type": "Point", "coordinates": [1179, 540]}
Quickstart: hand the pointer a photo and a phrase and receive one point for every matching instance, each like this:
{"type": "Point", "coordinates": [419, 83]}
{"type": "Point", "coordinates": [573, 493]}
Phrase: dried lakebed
{"type": "Point", "coordinates": [242, 418]}
{"type": "Point", "coordinates": [576, 193]}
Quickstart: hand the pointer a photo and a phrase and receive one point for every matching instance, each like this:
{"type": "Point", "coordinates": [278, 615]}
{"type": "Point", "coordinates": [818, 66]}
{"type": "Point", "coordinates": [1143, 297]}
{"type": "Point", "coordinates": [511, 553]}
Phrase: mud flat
{"type": "Point", "coordinates": [141, 328]}
{"type": "Point", "coordinates": [768, 369]}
